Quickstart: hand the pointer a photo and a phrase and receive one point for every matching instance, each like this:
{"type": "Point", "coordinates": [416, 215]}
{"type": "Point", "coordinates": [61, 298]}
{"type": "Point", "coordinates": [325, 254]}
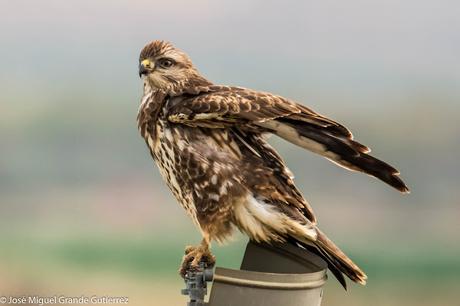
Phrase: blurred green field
{"type": "Point", "coordinates": [143, 269]}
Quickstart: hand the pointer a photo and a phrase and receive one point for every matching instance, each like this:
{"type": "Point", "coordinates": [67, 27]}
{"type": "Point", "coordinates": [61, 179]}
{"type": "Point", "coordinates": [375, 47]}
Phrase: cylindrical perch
{"type": "Point", "coordinates": [271, 275]}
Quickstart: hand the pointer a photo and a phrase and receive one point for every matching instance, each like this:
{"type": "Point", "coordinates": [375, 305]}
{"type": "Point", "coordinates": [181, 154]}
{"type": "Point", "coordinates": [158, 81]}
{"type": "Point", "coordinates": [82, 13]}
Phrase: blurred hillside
{"type": "Point", "coordinates": [83, 208]}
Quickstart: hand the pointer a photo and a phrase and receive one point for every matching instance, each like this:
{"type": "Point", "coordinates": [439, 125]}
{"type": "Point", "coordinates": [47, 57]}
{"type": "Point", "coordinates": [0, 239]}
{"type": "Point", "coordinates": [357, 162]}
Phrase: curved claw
{"type": "Point", "coordinates": [194, 255]}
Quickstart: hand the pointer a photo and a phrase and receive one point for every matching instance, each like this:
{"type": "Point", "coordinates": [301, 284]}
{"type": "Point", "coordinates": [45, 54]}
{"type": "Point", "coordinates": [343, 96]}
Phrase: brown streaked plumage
{"type": "Point", "coordinates": [209, 144]}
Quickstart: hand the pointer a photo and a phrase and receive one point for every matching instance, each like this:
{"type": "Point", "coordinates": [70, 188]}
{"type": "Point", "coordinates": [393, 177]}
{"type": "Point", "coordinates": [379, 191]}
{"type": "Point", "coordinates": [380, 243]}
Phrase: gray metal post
{"type": "Point", "coordinates": [196, 285]}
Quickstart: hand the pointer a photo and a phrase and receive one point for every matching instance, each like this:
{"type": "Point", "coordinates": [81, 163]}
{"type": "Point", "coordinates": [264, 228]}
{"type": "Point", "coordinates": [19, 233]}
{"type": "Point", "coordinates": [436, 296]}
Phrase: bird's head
{"type": "Point", "coordinates": [166, 68]}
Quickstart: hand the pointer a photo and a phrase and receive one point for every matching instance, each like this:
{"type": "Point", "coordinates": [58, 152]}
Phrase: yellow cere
{"type": "Point", "coordinates": [146, 63]}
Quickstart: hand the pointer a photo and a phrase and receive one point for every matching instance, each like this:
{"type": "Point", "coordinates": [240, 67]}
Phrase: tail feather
{"type": "Point", "coordinates": [338, 262]}
{"type": "Point", "coordinates": [331, 266]}
{"type": "Point", "coordinates": [342, 150]}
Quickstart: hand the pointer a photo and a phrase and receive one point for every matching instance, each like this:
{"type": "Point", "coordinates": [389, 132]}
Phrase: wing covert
{"type": "Point", "coordinates": [230, 105]}
{"type": "Point", "coordinates": [222, 106]}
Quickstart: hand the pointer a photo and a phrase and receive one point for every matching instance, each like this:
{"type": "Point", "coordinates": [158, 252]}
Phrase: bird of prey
{"type": "Point", "coordinates": [209, 142]}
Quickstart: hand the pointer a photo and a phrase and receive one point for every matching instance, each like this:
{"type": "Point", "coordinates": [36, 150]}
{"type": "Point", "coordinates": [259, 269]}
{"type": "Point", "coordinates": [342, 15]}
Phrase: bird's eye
{"type": "Point", "coordinates": [165, 62]}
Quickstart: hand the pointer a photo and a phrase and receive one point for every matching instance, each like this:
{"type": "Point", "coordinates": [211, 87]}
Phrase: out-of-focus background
{"type": "Point", "coordinates": [83, 209]}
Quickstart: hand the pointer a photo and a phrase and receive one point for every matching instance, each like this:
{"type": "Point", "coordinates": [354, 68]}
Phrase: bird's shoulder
{"type": "Point", "coordinates": [230, 102]}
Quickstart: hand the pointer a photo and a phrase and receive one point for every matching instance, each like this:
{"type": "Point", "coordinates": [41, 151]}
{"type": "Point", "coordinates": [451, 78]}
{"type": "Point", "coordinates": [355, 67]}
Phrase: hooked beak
{"type": "Point", "coordinates": [145, 67]}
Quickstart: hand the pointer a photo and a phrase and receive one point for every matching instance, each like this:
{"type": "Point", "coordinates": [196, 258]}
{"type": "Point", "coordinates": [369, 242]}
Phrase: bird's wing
{"type": "Point", "coordinates": [218, 106]}
{"type": "Point", "coordinates": [269, 178]}
{"type": "Point", "coordinates": [223, 106]}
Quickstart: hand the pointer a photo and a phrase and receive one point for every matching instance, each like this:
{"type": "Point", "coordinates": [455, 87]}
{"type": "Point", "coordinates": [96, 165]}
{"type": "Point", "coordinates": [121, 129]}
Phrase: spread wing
{"type": "Point", "coordinates": [220, 106]}
{"type": "Point", "coordinates": [223, 106]}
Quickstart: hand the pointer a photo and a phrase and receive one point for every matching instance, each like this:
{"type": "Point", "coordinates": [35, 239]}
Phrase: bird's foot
{"type": "Point", "coordinates": [194, 255]}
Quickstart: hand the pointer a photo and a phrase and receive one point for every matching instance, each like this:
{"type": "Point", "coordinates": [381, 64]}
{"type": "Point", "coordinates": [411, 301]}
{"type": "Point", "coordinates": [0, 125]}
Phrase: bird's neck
{"type": "Point", "coordinates": [152, 102]}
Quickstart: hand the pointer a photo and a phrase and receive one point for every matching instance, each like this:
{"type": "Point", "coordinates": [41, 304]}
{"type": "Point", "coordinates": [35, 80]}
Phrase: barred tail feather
{"type": "Point", "coordinates": [338, 263]}
{"type": "Point", "coordinates": [338, 259]}
{"type": "Point", "coordinates": [330, 263]}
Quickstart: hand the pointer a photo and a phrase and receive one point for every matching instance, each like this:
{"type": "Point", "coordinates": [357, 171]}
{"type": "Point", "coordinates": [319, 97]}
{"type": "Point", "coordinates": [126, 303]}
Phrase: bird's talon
{"type": "Point", "coordinates": [193, 258]}
{"type": "Point", "coordinates": [189, 249]}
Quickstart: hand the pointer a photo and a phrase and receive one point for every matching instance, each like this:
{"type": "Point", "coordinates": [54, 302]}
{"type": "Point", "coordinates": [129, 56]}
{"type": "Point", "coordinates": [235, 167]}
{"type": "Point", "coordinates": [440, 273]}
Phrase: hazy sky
{"type": "Point", "coordinates": [284, 46]}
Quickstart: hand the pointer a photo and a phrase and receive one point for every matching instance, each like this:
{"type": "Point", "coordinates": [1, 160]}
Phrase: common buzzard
{"type": "Point", "coordinates": [209, 142]}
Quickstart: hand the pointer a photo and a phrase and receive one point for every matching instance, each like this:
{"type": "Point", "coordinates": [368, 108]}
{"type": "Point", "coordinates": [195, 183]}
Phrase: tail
{"type": "Point", "coordinates": [338, 262]}
{"type": "Point", "coordinates": [335, 143]}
